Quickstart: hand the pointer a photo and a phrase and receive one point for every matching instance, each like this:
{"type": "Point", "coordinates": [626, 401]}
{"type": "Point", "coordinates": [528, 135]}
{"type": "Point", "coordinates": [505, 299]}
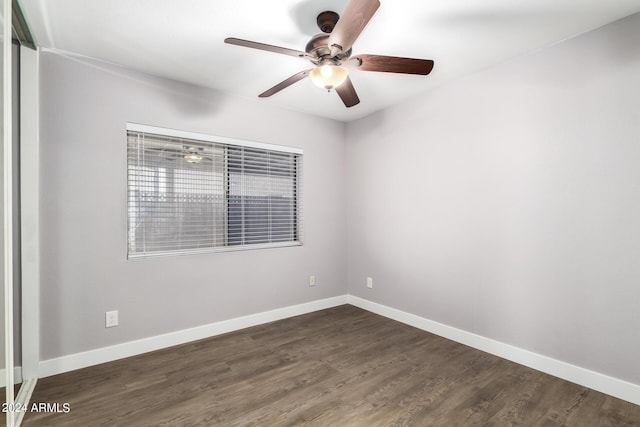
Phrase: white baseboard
{"type": "Point", "coordinates": [584, 377]}
{"type": "Point", "coordinates": [594, 380]}
{"type": "Point", "coordinates": [17, 375]}
{"type": "Point", "coordinates": [133, 348]}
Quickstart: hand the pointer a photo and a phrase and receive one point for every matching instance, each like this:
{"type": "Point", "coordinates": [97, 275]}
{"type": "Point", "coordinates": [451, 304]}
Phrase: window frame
{"type": "Point", "coordinates": [226, 141]}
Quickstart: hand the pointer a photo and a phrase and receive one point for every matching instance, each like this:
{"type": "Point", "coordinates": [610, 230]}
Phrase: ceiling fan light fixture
{"type": "Point", "coordinates": [193, 158]}
{"type": "Point", "coordinates": [328, 76]}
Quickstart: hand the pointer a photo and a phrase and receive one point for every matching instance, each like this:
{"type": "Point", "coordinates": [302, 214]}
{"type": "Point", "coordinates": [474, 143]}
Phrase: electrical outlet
{"type": "Point", "coordinates": [111, 319]}
{"type": "Point", "coordinates": [369, 282]}
{"type": "Point", "coordinates": [312, 280]}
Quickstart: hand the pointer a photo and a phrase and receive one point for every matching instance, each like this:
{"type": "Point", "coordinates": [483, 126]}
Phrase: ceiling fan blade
{"type": "Point", "coordinates": [267, 47]}
{"type": "Point", "coordinates": [347, 93]}
{"type": "Point", "coordinates": [355, 17]}
{"type": "Point", "coordinates": [285, 84]}
{"type": "Point", "coordinates": [390, 64]}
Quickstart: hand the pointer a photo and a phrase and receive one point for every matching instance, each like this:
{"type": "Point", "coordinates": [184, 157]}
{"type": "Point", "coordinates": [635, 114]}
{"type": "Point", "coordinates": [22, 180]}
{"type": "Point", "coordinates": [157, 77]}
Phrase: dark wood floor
{"type": "Point", "coordinates": [337, 367]}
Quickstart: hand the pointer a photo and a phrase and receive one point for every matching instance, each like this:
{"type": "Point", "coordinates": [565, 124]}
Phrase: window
{"type": "Point", "coordinates": [191, 193]}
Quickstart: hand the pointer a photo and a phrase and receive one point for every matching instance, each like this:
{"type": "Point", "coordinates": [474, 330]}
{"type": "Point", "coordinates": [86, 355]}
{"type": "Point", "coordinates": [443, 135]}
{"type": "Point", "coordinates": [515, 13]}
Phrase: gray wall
{"type": "Point", "coordinates": [507, 204]}
{"type": "Point", "coordinates": [84, 109]}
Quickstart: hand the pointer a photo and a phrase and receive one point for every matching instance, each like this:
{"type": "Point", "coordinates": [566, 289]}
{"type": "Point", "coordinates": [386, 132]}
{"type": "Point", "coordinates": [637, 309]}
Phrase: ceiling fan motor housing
{"type": "Point", "coordinates": [318, 47]}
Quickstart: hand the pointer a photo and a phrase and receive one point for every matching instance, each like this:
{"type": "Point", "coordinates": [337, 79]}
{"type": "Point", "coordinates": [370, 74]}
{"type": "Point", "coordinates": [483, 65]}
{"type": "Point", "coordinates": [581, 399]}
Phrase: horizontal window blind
{"type": "Point", "coordinates": [192, 195]}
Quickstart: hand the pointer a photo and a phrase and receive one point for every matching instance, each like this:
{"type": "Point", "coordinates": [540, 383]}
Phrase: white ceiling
{"type": "Point", "coordinates": [183, 40]}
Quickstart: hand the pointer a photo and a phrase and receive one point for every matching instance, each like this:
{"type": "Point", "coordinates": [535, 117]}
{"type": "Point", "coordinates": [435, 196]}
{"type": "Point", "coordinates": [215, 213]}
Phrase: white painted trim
{"type": "Point", "coordinates": [136, 127]}
{"type": "Point", "coordinates": [23, 398]}
{"type": "Point", "coordinates": [17, 376]}
{"type": "Point", "coordinates": [7, 143]}
{"type": "Point", "coordinates": [120, 351]}
{"type": "Point", "coordinates": [233, 248]}
{"type": "Point", "coordinates": [30, 210]}
{"type": "Point", "coordinates": [584, 377]}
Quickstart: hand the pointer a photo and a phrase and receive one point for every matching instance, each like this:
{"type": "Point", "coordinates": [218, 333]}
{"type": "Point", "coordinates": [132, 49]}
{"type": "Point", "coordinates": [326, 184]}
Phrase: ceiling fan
{"type": "Point", "coordinates": [330, 53]}
{"type": "Point", "coordinates": [190, 153]}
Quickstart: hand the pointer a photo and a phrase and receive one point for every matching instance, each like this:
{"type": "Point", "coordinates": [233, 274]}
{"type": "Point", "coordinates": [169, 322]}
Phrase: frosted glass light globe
{"type": "Point", "coordinates": [328, 76]}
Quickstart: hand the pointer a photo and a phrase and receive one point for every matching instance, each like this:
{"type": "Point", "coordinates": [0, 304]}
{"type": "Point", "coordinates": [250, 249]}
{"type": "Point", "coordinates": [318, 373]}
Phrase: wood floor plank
{"type": "Point", "coordinates": [337, 367]}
